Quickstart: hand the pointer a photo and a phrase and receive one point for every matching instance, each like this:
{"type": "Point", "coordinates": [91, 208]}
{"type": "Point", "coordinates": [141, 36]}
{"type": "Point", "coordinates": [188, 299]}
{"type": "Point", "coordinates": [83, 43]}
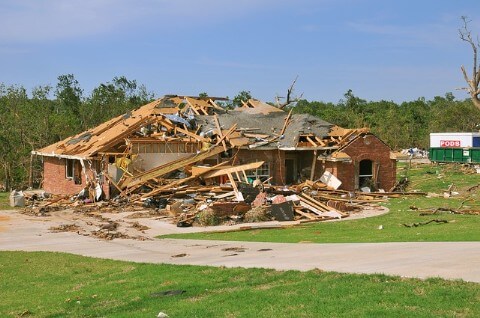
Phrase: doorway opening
{"type": "Point", "coordinates": [290, 171]}
{"type": "Point", "coordinates": [365, 174]}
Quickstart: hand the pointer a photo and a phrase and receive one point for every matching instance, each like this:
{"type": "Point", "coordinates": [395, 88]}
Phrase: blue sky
{"type": "Point", "coordinates": [381, 49]}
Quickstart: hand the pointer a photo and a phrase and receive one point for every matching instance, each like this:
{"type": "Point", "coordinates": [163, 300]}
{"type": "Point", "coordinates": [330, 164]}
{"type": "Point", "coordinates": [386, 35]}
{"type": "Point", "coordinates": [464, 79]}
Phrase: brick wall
{"type": "Point", "coordinates": [276, 159]}
{"type": "Point", "coordinates": [368, 148]}
{"type": "Point", "coordinates": [56, 182]}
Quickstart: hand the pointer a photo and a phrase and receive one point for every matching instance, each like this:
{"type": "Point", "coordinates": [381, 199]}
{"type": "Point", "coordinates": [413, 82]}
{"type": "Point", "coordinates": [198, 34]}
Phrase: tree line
{"type": "Point", "coordinates": [50, 114]}
{"type": "Point", "coordinates": [30, 121]}
{"type": "Point", "coordinates": [403, 125]}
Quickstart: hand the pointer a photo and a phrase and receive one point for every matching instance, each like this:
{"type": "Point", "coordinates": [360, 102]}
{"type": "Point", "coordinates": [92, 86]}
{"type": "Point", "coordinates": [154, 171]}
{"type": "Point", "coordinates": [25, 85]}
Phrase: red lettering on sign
{"type": "Point", "coordinates": [450, 143]}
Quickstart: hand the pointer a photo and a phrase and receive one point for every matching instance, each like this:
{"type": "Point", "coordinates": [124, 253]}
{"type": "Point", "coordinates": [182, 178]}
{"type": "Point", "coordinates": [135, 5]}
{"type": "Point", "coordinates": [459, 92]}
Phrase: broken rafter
{"type": "Point", "coordinates": [233, 169]}
{"type": "Point", "coordinates": [171, 166]}
{"type": "Point", "coordinates": [181, 181]}
{"type": "Point", "coordinates": [217, 124]}
{"type": "Point", "coordinates": [212, 102]}
{"type": "Point", "coordinates": [227, 134]}
{"type": "Point", "coordinates": [311, 141]}
{"type": "Point", "coordinates": [191, 134]}
{"type": "Point", "coordinates": [287, 120]}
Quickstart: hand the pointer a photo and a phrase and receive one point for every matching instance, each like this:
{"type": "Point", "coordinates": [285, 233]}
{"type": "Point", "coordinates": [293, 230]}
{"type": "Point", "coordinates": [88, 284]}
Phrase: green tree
{"type": "Point", "coordinates": [112, 99]}
{"type": "Point", "coordinates": [242, 96]}
{"type": "Point", "coordinates": [69, 98]}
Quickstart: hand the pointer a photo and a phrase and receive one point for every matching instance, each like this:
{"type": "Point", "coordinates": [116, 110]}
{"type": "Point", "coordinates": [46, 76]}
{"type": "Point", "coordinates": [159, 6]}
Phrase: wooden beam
{"type": "Point", "coordinates": [122, 193]}
{"type": "Point", "coordinates": [180, 181]}
{"type": "Point", "coordinates": [311, 141]}
{"type": "Point", "coordinates": [233, 169]}
{"type": "Point", "coordinates": [286, 122]}
{"type": "Point", "coordinates": [217, 124]}
{"type": "Point", "coordinates": [314, 165]}
{"type": "Point", "coordinates": [192, 106]}
{"type": "Point", "coordinates": [320, 141]}
{"type": "Point", "coordinates": [172, 166]}
{"type": "Point", "coordinates": [212, 102]}
{"type": "Point", "coordinates": [190, 134]}
{"type": "Point", "coordinates": [234, 186]}
{"type": "Point", "coordinates": [227, 134]}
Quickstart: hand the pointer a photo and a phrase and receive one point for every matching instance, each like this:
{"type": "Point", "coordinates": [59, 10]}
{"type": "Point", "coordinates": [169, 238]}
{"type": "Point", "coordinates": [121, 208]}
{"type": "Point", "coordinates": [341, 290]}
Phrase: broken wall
{"type": "Point", "coordinates": [368, 147]}
{"type": "Point", "coordinates": [55, 180]}
{"type": "Point", "coordinates": [275, 158]}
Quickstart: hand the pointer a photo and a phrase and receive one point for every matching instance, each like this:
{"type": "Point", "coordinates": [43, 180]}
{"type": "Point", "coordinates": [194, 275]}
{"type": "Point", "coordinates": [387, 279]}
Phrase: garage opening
{"type": "Point", "coordinates": [365, 173]}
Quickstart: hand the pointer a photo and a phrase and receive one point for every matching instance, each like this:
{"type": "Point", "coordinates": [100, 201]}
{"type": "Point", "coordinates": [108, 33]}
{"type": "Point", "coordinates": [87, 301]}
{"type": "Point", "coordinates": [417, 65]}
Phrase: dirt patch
{"type": "Point", "coordinates": [3, 218]}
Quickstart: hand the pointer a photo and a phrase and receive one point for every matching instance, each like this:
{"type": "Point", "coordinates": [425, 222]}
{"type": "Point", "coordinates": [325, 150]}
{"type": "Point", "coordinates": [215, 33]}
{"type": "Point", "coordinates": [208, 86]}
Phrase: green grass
{"type": "Point", "coordinates": [4, 201]}
{"type": "Point", "coordinates": [425, 178]}
{"type": "Point", "coordinates": [44, 284]}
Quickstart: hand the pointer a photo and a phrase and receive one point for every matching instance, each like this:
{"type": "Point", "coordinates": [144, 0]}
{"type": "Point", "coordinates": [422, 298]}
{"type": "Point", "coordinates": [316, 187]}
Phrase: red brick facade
{"type": "Point", "coordinates": [286, 167]}
{"type": "Point", "coordinates": [55, 178]}
{"type": "Point", "coordinates": [274, 157]}
{"type": "Point", "coordinates": [367, 147]}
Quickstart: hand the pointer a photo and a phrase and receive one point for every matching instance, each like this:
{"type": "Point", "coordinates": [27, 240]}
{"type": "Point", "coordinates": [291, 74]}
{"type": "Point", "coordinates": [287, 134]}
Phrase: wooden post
{"type": "Point", "coordinates": [314, 164]}
{"type": "Point", "coordinates": [30, 174]}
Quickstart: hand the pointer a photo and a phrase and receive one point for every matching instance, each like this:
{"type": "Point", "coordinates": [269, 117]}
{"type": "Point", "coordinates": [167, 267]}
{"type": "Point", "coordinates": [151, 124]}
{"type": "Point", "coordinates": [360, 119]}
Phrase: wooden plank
{"type": "Point", "coordinates": [311, 208]}
{"type": "Point", "coordinates": [179, 182]}
{"type": "Point", "coordinates": [245, 176]}
{"type": "Point", "coordinates": [191, 134]}
{"type": "Point", "coordinates": [172, 166]}
{"type": "Point", "coordinates": [311, 141]}
{"type": "Point", "coordinates": [192, 106]}
{"type": "Point", "coordinates": [122, 193]}
{"type": "Point", "coordinates": [199, 170]}
{"type": "Point", "coordinates": [217, 124]}
{"type": "Point", "coordinates": [232, 129]}
{"type": "Point", "coordinates": [286, 122]}
{"type": "Point", "coordinates": [298, 210]}
{"type": "Point", "coordinates": [212, 102]}
{"type": "Point", "coordinates": [233, 169]}
{"type": "Point", "coordinates": [259, 136]}
{"type": "Point", "coordinates": [234, 185]}
{"type": "Point", "coordinates": [320, 204]}
{"type": "Point", "coordinates": [314, 164]}
{"type": "Point", "coordinates": [320, 141]}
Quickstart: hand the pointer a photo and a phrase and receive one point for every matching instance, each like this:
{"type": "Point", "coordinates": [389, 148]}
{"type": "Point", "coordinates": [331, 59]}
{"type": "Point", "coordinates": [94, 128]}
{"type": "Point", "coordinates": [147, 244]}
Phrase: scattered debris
{"type": "Point", "coordinates": [179, 255]}
{"type": "Point", "coordinates": [234, 249]}
{"type": "Point", "coordinates": [192, 161]}
{"type": "Point", "coordinates": [425, 223]}
{"type": "Point", "coordinates": [65, 228]}
{"type": "Point", "coordinates": [139, 226]}
{"type": "Point", "coordinates": [168, 293]}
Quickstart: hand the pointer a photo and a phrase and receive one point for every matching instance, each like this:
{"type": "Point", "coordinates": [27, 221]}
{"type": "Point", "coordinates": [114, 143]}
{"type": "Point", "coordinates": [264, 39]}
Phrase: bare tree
{"type": "Point", "coordinates": [473, 83]}
{"type": "Point", "coordinates": [290, 99]}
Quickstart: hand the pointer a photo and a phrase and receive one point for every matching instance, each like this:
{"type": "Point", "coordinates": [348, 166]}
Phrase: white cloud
{"type": "Point", "coordinates": [437, 34]}
{"type": "Point", "coordinates": [34, 20]}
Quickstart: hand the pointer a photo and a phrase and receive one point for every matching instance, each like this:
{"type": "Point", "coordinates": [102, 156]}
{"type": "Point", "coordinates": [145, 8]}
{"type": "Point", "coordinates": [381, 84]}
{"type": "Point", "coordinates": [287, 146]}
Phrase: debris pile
{"type": "Point", "coordinates": [196, 162]}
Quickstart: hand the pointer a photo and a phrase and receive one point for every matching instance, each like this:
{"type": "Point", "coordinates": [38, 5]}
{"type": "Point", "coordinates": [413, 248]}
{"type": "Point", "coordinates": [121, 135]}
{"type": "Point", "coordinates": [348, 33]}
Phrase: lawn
{"type": "Point", "coordinates": [4, 201]}
{"type": "Point", "coordinates": [40, 284]}
{"type": "Point", "coordinates": [423, 178]}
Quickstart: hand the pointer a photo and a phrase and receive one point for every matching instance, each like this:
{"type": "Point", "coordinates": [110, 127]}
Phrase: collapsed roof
{"type": "Point", "coordinates": [195, 119]}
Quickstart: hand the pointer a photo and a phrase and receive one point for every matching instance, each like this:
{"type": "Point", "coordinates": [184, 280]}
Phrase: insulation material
{"type": "Point", "coordinates": [330, 180]}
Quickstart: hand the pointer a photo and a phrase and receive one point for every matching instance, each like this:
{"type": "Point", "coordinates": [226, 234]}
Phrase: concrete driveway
{"type": "Point", "coordinates": [449, 260]}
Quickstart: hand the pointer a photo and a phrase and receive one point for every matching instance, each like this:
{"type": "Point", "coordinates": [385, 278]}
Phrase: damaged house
{"type": "Point", "coordinates": [176, 139]}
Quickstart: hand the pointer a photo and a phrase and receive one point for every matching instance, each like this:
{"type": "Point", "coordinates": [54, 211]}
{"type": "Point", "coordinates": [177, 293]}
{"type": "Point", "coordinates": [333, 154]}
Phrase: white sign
{"type": "Point", "coordinates": [450, 143]}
